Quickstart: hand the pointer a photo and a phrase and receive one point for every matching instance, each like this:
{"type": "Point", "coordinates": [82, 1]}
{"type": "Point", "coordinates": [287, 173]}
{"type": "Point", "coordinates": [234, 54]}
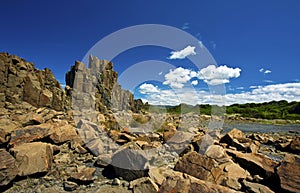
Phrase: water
{"type": "Point", "coordinates": [262, 128]}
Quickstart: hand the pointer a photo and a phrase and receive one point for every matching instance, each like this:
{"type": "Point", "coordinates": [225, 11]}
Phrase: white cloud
{"type": "Point", "coordinates": [178, 77]}
{"type": "Point", "coordinates": [181, 54]}
{"type": "Point", "coordinates": [148, 88]}
{"type": "Point", "coordinates": [160, 73]}
{"type": "Point", "coordinates": [186, 25]}
{"type": "Point", "coordinates": [194, 82]}
{"type": "Point", "coordinates": [267, 71]}
{"type": "Point", "coordinates": [287, 91]}
{"type": "Point", "coordinates": [213, 75]}
{"type": "Point", "coordinates": [262, 70]}
{"type": "Point", "coordinates": [269, 81]}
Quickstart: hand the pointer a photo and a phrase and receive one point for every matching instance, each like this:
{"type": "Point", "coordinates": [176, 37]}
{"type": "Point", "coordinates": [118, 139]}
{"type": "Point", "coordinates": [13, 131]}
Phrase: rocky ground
{"type": "Point", "coordinates": [45, 147]}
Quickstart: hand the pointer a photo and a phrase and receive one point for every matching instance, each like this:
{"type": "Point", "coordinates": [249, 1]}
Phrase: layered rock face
{"type": "Point", "coordinates": [96, 88]}
{"type": "Point", "coordinates": [20, 81]}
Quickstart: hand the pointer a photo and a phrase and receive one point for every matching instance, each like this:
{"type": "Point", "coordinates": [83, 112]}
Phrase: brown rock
{"type": "Point", "coordinates": [289, 173]}
{"type": "Point", "coordinates": [143, 185]}
{"type": "Point", "coordinates": [8, 168]}
{"type": "Point", "coordinates": [84, 174]}
{"type": "Point", "coordinates": [184, 183]}
{"type": "Point", "coordinates": [256, 188]}
{"type": "Point", "coordinates": [255, 163]}
{"type": "Point", "coordinates": [295, 145]}
{"type": "Point", "coordinates": [103, 160]}
{"type": "Point", "coordinates": [32, 158]}
{"type": "Point", "coordinates": [63, 134]}
{"type": "Point", "coordinates": [197, 165]}
{"type": "Point", "coordinates": [30, 133]}
{"type": "Point", "coordinates": [3, 136]}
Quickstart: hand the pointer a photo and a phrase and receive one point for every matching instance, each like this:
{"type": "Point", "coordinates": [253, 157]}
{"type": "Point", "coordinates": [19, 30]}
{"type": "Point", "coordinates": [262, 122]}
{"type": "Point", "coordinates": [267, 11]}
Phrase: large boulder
{"type": "Point", "coordinates": [289, 173]}
{"type": "Point", "coordinates": [183, 183]}
{"type": "Point", "coordinates": [294, 146]}
{"type": "Point", "coordinates": [255, 163]}
{"type": "Point", "coordinates": [8, 168]}
{"type": "Point", "coordinates": [33, 158]}
{"type": "Point", "coordinates": [63, 133]}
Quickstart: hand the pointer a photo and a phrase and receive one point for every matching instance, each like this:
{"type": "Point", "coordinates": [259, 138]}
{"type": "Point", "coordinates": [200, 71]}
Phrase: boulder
{"type": "Point", "coordinates": [8, 168]}
{"type": "Point", "coordinates": [183, 183]}
{"type": "Point", "coordinates": [295, 145]}
{"type": "Point", "coordinates": [32, 158]}
{"type": "Point", "coordinates": [143, 185]}
{"type": "Point", "coordinates": [289, 173]}
{"type": "Point", "coordinates": [256, 188]}
{"type": "Point", "coordinates": [197, 165]}
{"type": "Point", "coordinates": [63, 134]}
{"type": "Point", "coordinates": [255, 163]}
{"type": "Point", "coordinates": [30, 133]}
{"type": "Point", "coordinates": [130, 163]}
{"type": "Point", "coordinates": [83, 175]}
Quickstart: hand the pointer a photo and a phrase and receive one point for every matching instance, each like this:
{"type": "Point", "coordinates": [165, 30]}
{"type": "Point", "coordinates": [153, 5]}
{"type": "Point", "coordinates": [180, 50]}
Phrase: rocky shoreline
{"type": "Point", "coordinates": [46, 147]}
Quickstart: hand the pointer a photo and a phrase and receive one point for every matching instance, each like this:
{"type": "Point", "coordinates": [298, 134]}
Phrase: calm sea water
{"type": "Point", "coordinates": [263, 128]}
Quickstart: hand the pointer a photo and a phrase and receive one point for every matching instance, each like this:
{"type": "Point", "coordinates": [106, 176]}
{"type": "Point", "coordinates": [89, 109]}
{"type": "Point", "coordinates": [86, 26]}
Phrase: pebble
{"type": "Point", "coordinates": [116, 182]}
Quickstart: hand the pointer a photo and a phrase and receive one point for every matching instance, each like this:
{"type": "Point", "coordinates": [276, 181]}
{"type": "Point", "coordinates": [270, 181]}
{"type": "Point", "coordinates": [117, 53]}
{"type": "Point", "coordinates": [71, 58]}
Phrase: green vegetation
{"type": "Point", "coordinates": [268, 110]}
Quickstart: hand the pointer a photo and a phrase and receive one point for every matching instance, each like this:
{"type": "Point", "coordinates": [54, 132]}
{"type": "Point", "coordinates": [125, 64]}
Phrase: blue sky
{"type": "Point", "coordinates": [260, 39]}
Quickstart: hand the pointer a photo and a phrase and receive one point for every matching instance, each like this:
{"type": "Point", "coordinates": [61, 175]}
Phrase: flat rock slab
{"type": "Point", "coordinates": [32, 158]}
{"type": "Point", "coordinates": [84, 174]}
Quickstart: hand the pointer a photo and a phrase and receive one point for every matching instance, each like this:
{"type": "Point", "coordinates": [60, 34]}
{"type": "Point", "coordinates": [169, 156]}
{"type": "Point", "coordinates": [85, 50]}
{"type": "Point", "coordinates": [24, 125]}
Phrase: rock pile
{"type": "Point", "coordinates": [43, 148]}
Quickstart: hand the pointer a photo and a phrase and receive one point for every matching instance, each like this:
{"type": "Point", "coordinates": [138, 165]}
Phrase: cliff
{"type": "Point", "coordinates": [20, 81]}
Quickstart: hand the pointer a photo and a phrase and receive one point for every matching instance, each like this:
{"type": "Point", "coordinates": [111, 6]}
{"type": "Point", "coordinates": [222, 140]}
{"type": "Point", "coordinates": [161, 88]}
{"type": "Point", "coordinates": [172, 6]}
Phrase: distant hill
{"type": "Point", "coordinates": [268, 110]}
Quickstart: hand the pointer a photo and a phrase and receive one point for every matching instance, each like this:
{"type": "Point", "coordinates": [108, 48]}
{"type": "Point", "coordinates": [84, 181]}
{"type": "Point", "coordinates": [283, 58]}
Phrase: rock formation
{"type": "Point", "coordinates": [20, 81]}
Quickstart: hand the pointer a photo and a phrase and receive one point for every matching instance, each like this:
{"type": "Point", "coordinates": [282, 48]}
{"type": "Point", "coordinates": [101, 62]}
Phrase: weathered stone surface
{"type": "Point", "coordinates": [3, 136]}
{"type": "Point", "coordinates": [256, 188]}
{"type": "Point", "coordinates": [8, 168]}
{"type": "Point", "coordinates": [295, 145]}
{"type": "Point", "coordinates": [32, 158]}
{"type": "Point", "coordinates": [84, 174]}
{"type": "Point", "coordinates": [289, 173]}
{"type": "Point", "coordinates": [63, 134]}
{"type": "Point", "coordinates": [70, 186]}
{"type": "Point", "coordinates": [143, 185]}
{"type": "Point", "coordinates": [20, 81]}
{"type": "Point", "coordinates": [30, 133]}
{"type": "Point", "coordinates": [103, 160]}
{"type": "Point", "coordinates": [255, 163]}
{"type": "Point", "coordinates": [130, 163]}
{"type": "Point", "coordinates": [197, 165]}
{"type": "Point", "coordinates": [236, 138]}
{"type": "Point", "coordinates": [184, 183]}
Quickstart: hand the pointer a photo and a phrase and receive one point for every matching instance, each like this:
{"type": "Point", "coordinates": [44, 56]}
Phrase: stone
{"type": "Point", "coordinates": [8, 168]}
{"type": "Point", "coordinates": [256, 188]}
{"type": "Point", "coordinates": [215, 152]}
{"type": "Point", "coordinates": [143, 185]}
{"type": "Point", "coordinates": [197, 165]}
{"type": "Point", "coordinates": [3, 136]}
{"type": "Point", "coordinates": [184, 183]}
{"type": "Point", "coordinates": [130, 163]}
{"type": "Point", "coordinates": [295, 145]}
{"type": "Point", "coordinates": [33, 158]}
{"type": "Point", "coordinates": [63, 134]}
{"type": "Point", "coordinates": [289, 173]}
{"type": "Point", "coordinates": [236, 138]}
{"type": "Point", "coordinates": [116, 182]}
{"type": "Point", "coordinates": [103, 160]}
{"type": "Point", "coordinates": [70, 186]}
{"type": "Point", "coordinates": [255, 163]}
{"type": "Point", "coordinates": [30, 133]}
{"type": "Point", "coordinates": [83, 175]}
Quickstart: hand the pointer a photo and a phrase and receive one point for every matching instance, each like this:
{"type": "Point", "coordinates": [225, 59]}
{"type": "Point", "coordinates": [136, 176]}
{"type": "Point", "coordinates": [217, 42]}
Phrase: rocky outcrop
{"type": "Point", "coordinates": [96, 88]}
{"type": "Point", "coordinates": [20, 81]}
{"type": "Point", "coordinates": [8, 169]}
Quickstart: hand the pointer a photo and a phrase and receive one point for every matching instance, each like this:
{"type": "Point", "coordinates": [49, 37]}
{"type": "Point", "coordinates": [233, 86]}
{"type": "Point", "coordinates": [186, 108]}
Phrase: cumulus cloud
{"type": "Point", "coordinates": [148, 88]}
{"type": "Point", "coordinates": [194, 82]}
{"type": "Point", "coordinates": [178, 77]}
{"type": "Point", "coordinates": [213, 75]}
{"type": "Point", "coordinates": [181, 54]}
{"type": "Point", "coordinates": [258, 94]}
